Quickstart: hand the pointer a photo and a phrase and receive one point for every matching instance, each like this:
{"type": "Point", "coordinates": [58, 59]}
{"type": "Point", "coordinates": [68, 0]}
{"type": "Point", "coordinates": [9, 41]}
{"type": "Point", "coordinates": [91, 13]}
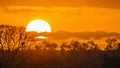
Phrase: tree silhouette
{"type": "Point", "coordinates": [64, 46]}
{"type": "Point", "coordinates": [111, 44]}
{"type": "Point", "coordinates": [14, 42]}
{"type": "Point", "coordinates": [93, 46]}
{"type": "Point", "coordinates": [21, 49]}
{"type": "Point", "coordinates": [118, 46]}
{"type": "Point", "coordinates": [75, 44]}
{"type": "Point", "coordinates": [49, 46]}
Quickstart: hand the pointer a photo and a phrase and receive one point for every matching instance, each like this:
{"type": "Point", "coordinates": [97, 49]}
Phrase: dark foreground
{"type": "Point", "coordinates": [63, 59]}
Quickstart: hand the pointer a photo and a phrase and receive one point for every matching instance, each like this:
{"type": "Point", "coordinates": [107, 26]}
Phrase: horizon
{"type": "Point", "coordinates": [99, 37]}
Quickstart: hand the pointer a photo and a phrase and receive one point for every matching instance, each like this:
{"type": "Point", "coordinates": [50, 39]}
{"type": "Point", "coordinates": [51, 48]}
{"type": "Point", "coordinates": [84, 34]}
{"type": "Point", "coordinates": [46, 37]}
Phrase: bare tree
{"type": "Point", "coordinates": [14, 46]}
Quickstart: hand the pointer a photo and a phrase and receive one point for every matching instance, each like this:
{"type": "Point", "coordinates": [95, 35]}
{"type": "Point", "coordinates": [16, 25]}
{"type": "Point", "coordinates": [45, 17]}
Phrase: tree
{"type": "Point", "coordinates": [111, 44]}
{"type": "Point", "coordinates": [49, 46]}
{"type": "Point", "coordinates": [14, 45]}
{"type": "Point", "coordinates": [83, 47]}
{"type": "Point", "coordinates": [118, 46]}
{"type": "Point", "coordinates": [64, 46]}
{"type": "Point", "coordinates": [93, 46]}
{"type": "Point", "coordinates": [75, 45]}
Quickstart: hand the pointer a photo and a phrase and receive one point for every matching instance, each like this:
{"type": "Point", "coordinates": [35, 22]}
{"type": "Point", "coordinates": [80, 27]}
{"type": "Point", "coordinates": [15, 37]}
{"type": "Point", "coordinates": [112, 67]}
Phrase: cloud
{"type": "Point", "coordinates": [25, 8]}
{"type": "Point", "coordinates": [113, 4]}
{"type": "Point", "coordinates": [62, 35]}
{"type": "Point", "coordinates": [65, 11]}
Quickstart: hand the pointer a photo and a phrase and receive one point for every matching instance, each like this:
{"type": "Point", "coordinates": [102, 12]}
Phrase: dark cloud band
{"type": "Point", "coordinates": [83, 35]}
{"type": "Point", "coordinates": [114, 4]}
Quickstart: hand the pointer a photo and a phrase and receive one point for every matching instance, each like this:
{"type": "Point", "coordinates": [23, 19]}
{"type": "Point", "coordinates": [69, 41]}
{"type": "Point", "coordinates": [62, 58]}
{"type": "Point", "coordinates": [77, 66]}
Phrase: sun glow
{"type": "Point", "coordinates": [41, 37]}
{"type": "Point", "coordinates": [38, 26]}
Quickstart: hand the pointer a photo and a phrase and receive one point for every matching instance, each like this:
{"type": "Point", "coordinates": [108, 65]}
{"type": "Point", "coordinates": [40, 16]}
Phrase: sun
{"type": "Point", "coordinates": [38, 26]}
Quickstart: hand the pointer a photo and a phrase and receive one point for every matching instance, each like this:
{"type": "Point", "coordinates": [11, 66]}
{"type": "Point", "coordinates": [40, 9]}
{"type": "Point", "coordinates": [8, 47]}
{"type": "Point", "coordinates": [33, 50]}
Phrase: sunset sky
{"type": "Point", "coordinates": [64, 15]}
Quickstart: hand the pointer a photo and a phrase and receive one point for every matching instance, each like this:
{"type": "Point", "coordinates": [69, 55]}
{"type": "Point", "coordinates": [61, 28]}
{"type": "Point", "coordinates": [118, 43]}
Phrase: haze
{"type": "Point", "coordinates": [73, 15]}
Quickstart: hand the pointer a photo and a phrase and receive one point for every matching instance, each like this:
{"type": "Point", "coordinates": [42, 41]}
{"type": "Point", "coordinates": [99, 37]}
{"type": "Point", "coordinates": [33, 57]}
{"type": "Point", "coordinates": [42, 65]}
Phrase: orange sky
{"type": "Point", "coordinates": [64, 15]}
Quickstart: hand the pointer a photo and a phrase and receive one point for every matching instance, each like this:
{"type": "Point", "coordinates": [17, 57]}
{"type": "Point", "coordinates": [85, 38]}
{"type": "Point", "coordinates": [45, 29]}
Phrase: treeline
{"type": "Point", "coordinates": [77, 55]}
{"type": "Point", "coordinates": [20, 49]}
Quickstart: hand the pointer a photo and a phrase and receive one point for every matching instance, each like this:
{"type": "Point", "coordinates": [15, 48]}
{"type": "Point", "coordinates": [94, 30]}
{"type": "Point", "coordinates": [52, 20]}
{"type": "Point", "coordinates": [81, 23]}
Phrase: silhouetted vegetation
{"type": "Point", "coordinates": [20, 49]}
